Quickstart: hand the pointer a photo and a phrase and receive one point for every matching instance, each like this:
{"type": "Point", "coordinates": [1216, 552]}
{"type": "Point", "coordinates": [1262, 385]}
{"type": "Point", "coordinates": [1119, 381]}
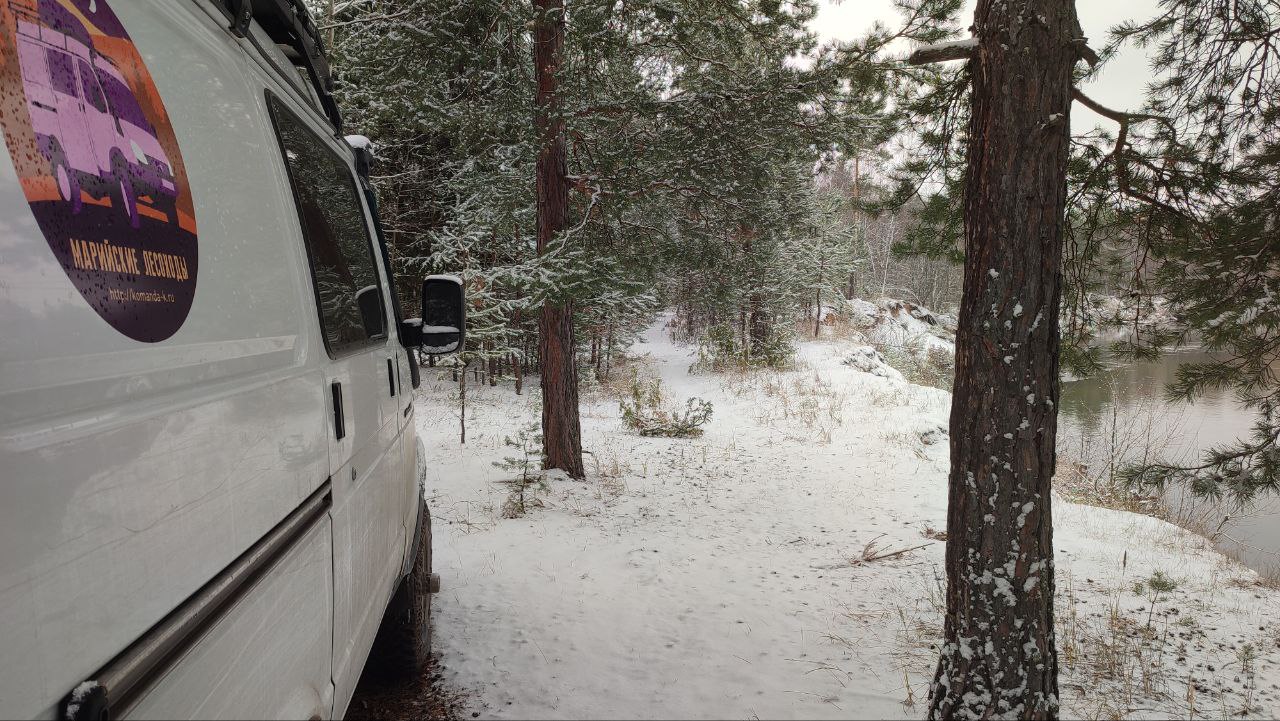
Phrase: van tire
{"type": "Point", "coordinates": [64, 175]}
{"type": "Point", "coordinates": [166, 204]}
{"type": "Point", "coordinates": [124, 196]}
{"type": "Point", "coordinates": [403, 644]}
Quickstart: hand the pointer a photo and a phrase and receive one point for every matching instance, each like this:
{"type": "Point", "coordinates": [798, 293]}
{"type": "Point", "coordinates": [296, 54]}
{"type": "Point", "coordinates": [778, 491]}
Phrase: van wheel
{"type": "Point", "coordinates": [68, 183]}
{"type": "Point", "coordinates": [166, 204]}
{"type": "Point", "coordinates": [124, 196]}
{"type": "Point", "coordinates": [403, 644]}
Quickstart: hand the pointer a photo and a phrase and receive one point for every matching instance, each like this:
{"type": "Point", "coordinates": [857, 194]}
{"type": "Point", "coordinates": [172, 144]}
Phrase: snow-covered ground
{"type": "Point", "coordinates": [735, 575]}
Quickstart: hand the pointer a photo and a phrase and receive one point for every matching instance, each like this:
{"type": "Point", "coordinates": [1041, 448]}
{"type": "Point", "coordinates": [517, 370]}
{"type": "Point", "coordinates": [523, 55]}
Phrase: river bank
{"type": "Point", "coordinates": [1121, 415]}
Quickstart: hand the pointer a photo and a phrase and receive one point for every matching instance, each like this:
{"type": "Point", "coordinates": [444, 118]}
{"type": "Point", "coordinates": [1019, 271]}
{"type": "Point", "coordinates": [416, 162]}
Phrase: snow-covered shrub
{"type": "Point", "coordinates": [936, 369]}
{"type": "Point", "coordinates": [869, 360]}
{"type": "Point", "coordinates": [643, 413]}
{"type": "Point", "coordinates": [721, 348]}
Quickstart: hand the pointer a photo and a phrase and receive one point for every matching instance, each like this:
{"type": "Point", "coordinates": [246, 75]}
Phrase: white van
{"type": "Point", "coordinates": [211, 497]}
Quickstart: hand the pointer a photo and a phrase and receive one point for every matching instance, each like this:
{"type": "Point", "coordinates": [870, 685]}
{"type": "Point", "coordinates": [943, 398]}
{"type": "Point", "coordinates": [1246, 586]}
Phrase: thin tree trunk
{"type": "Point", "coordinates": [493, 371]}
{"type": "Point", "coordinates": [598, 361]}
{"type": "Point", "coordinates": [561, 426]}
{"type": "Point", "coordinates": [608, 351]}
{"type": "Point", "coordinates": [999, 658]}
{"type": "Point", "coordinates": [857, 213]}
{"type": "Point", "coordinates": [462, 405]}
{"type": "Point", "coordinates": [517, 360]}
{"type": "Point", "coordinates": [817, 318]}
{"type": "Point", "coordinates": [329, 40]}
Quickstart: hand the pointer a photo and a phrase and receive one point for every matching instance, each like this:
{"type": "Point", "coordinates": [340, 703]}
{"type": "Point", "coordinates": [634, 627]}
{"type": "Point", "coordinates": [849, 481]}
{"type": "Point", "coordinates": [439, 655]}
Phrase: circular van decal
{"type": "Point", "coordinates": [98, 162]}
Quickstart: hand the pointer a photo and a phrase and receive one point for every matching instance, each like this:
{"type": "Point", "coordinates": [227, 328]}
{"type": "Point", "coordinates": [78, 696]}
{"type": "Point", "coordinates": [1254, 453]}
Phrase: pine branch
{"type": "Point", "coordinates": [363, 19]}
{"type": "Point", "coordinates": [1125, 119]}
{"type": "Point", "coordinates": [942, 52]}
{"type": "Point", "coordinates": [964, 49]}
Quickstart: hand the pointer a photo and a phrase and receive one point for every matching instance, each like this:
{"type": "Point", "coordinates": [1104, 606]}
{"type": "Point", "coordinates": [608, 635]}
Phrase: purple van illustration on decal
{"type": "Point", "coordinates": [88, 123]}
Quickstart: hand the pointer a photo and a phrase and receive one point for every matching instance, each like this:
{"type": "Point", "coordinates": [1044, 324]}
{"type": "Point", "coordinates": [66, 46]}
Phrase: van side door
{"type": "Point", "coordinates": [368, 495]}
{"type": "Point", "coordinates": [97, 116]}
{"type": "Point", "coordinates": [74, 137]}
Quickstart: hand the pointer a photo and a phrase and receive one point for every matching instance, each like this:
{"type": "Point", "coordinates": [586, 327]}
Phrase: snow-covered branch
{"type": "Point", "coordinates": [942, 52]}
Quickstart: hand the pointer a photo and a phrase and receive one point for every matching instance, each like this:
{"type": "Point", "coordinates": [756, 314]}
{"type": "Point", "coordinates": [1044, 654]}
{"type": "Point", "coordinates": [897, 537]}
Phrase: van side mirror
{"type": "Point", "coordinates": [362, 148]}
{"type": "Point", "coordinates": [369, 301]}
{"type": "Point", "coordinates": [444, 317]}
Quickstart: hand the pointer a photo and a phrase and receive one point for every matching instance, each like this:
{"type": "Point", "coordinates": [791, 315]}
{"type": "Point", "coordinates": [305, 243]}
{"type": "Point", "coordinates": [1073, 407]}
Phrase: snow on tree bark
{"type": "Point", "coordinates": [561, 429]}
{"type": "Point", "coordinates": [999, 659]}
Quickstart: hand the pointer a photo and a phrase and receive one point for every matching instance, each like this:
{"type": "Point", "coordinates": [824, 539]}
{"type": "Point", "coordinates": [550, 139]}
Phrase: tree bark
{"type": "Point", "coordinates": [817, 318]}
{"type": "Point", "coordinates": [561, 427]}
{"type": "Point", "coordinates": [608, 351]}
{"type": "Point", "coordinates": [999, 657]}
{"type": "Point", "coordinates": [462, 406]}
{"type": "Point", "coordinates": [857, 225]}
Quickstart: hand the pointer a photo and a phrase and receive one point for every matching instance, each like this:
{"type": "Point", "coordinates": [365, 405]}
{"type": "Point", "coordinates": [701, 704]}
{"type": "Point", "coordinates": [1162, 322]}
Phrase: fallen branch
{"type": "Point", "coordinates": [871, 555]}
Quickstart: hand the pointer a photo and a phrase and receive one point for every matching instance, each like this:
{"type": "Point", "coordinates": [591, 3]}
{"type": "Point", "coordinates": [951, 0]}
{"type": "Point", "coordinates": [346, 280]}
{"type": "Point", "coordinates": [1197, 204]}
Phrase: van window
{"type": "Point", "coordinates": [35, 68]}
{"type": "Point", "coordinates": [62, 74]}
{"type": "Point", "coordinates": [92, 94]}
{"type": "Point", "coordinates": [122, 102]}
{"type": "Point", "coordinates": [337, 237]}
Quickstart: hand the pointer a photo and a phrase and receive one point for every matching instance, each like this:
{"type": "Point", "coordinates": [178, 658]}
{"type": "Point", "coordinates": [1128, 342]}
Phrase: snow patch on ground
{"type": "Point", "coordinates": [719, 577]}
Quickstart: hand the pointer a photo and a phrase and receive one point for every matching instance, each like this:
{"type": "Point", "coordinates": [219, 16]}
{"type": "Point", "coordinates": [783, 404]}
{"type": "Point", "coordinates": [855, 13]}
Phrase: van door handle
{"type": "Point", "coordinates": [339, 423]}
{"type": "Point", "coordinates": [391, 377]}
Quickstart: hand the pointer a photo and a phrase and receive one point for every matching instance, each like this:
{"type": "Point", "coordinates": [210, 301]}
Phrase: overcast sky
{"type": "Point", "coordinates": [1119, 86]}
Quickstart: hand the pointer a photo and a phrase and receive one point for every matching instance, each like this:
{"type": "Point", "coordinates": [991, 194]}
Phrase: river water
{"type": "Point", "coordinates": [1121, 413]}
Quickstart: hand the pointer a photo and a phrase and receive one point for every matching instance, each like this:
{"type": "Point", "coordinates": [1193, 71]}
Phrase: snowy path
{"type": "Point", "coordinates": [710, 578]}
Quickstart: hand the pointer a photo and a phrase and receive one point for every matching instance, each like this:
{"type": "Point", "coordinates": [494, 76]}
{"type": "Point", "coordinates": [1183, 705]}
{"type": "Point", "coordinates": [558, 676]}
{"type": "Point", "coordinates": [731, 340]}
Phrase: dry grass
{"type": "Point", "coordinates": [798, 400]}
{"type": "Point", "coordinates": [1075, 483]}
{"type": "Point", "coordinates": [1122, 651]}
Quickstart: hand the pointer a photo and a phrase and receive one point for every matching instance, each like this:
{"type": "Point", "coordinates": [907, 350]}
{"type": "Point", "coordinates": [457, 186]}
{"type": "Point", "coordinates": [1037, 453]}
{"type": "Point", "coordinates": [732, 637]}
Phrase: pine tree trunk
{"type": "Point", "coordinates": [608, 351]}
{"type": "Point", "coordinates": [857, 212]}
{"type": "Point", "coordinates": [598, 361]}
{"type": "Point", "coordinates": [462, 406]}
{"type": "Point", "coordinates": [517, 362]}
{"type": "Point", "coordinates": [999, 657]}
{"type": "Point", "coordinates": [817, 318]}
{"type": "Point", "coordinates": [561, 429]}
{"type": "Point", "coordinates": [761, 328]}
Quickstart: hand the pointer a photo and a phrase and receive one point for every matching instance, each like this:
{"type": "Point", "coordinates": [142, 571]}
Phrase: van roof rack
{"type": "Point", "coordinates": [288, 23]}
